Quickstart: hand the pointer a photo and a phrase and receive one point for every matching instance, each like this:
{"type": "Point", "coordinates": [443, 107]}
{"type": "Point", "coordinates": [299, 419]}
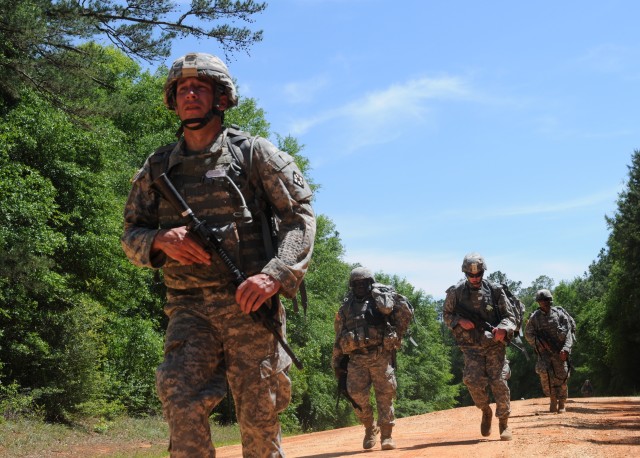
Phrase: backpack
{"type": "Point", "coordinates": [570, 320]}
{"type": "Point", "coordinates": [517, 307]}
{"type": "Point", "coordinates": [402, 312]}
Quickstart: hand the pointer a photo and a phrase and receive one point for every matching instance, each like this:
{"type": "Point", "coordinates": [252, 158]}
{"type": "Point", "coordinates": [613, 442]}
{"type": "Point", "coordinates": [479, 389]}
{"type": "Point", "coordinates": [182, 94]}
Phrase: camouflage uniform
{"type": "Point", "coordinates": [369, 330]}
{"type": "Point", "coordinates": [209, 341]}
{"type": "Point", "coordinates": [485, 362]}
{"type": "Point", "coordinates": [552, 370]}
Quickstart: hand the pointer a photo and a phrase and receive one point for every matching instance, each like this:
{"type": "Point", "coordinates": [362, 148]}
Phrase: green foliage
{"type": "Point", "coordinates": [622, 299]}
{"type": "Point", "coordinates": [134, 351]}
{"type": "Point", "coordinates": [43, 43]}
{"type": "Point", "coordinates": [15, 404]}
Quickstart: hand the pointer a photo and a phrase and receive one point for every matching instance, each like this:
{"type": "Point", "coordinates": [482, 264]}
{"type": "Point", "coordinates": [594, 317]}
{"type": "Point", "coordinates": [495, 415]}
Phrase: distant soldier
{"type": "Point", "coordinates": [482, 321]}
{"type": "Point", "coordinates": [550, 330]}
{"type": "Point", "coordinates": [369, 328]}
{"type": "Point", "coordinates": [587, 389]}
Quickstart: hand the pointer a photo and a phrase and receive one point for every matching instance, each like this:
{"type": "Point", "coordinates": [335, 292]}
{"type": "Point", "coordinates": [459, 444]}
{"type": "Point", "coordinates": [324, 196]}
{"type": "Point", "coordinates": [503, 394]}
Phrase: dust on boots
{"type": "Point", "coordinates": [505, 432]}
{"type": "Point", "coordinates": [370, 436]}
{"type": "Point", "coordinates": [386, 441]}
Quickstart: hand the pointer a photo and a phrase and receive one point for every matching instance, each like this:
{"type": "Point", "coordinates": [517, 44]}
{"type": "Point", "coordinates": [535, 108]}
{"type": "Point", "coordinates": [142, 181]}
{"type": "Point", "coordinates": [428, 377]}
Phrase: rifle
{"type": "Point", "coordinates": [208, 239]}
{"type": "Point", "coordinates": [342, 384]}
{"type": "Point", "coordinates": [552, 346]}
{"type": "Point", "coordinates": [547, 343]}
{"type": "Point", "coordinates": [485, 325]}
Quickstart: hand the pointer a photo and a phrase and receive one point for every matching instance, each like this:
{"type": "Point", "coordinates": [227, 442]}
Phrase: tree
{"type": "Point", "coordinates": [622, 300]}
{"type": "Point", "coordinates": [41, 41]}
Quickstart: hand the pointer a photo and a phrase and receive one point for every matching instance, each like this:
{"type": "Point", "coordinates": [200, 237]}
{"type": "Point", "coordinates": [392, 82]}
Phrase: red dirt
{"type": "Point", "coordinates": [591, 428]}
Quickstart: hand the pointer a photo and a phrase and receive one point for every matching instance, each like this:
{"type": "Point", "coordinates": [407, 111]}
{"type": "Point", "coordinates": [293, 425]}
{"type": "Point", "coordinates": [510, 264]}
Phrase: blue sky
{"type": "Point", "coordinates": [439, 128]}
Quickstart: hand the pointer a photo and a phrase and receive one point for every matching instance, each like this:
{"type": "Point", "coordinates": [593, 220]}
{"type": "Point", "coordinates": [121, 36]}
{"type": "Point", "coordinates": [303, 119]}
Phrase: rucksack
{"type": "Point", "coordinates": [570, 320]}
{"type": "Point", "coordinates": [402, 313]}
{"type": "Point", "coordinates": [517, 306]}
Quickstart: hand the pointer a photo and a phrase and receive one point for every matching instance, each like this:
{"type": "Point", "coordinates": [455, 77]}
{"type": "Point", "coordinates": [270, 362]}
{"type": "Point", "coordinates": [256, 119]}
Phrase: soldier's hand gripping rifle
{"type": "Point", "coordinates": [207, 238]}
{"type": "Point", "coordinates": [486, 326]}
{"type": "Point", "coordinates": [546, 342]}
{"type": "Point", "coordinates": [551, 345]}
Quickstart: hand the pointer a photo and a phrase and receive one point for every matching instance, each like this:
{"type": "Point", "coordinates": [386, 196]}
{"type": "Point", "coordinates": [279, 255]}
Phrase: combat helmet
{"type": "Point", "coordinates": [544, 295]}
{"type": "Point", "coordinates": [361, 273]}
{"type": "Point", "coordinates": [473, 263]}
{"type": "Point", "coordinates": [199, 64]}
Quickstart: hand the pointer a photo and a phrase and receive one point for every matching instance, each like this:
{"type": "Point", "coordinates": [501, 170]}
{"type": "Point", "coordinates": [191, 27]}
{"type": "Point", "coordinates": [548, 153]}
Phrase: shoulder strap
{"type": "Point", "coordinates": [245, 142]}
{"type": "Point", "coordinates": [159, 160]}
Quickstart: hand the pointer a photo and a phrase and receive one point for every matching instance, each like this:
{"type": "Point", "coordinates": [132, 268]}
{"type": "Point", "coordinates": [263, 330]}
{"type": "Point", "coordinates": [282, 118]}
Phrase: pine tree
{"type": "Point", "coordinates": [622, 300]}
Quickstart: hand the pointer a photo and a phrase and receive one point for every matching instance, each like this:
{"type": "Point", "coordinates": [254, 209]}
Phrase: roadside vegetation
{"type": "Point", "coordinates": [81, 329]}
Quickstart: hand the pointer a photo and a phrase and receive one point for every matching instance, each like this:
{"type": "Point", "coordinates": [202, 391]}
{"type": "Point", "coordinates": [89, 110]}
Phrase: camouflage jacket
{"type": "Point", "coordinates": [554, 325]}
{"type": "Point", "coordinates": [275, 182]}
{"type": "Point", "coordinates": [488, 303]}
{"type": "Point", "coordinates": [379, 320]}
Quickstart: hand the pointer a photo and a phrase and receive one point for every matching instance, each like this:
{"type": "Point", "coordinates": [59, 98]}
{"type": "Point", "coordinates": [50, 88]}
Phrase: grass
{"type": "Point", "coordinates": [120, 438]}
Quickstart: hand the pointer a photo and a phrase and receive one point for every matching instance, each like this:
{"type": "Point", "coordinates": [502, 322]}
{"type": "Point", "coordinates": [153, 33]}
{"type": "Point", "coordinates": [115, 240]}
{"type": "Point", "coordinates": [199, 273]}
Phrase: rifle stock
{"type": "Point", "coordinates": [342, 384]}
{"type": "Point", "coordinates": [208, 239]}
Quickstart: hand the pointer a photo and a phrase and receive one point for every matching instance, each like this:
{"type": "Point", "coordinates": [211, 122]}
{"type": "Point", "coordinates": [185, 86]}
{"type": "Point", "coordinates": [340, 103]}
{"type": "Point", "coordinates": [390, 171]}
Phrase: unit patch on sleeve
{"type": "Point", "coordinates": [298, 179]}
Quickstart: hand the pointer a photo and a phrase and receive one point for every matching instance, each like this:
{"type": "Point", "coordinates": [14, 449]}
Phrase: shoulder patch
{"type": "Point", "coordinates": [298, 179]}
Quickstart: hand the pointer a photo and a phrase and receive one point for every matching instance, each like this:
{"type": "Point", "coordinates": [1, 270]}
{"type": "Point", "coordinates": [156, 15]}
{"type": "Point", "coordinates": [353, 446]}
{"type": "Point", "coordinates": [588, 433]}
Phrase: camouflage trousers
{"type": "Point", "coordinates": [209, 343]}
{"type": "Point", "coordinates": [488, 368]}
{"type": "Point", "coordinates": [373, 369]}
{"type": "Point", "coordinates": [554, 374]}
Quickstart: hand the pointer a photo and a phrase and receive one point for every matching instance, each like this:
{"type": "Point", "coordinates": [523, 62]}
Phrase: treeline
{"type": "Point", "coordinates": [81, 329]}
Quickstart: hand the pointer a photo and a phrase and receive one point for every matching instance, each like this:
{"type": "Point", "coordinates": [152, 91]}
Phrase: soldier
{"type": "Point", "coordinates": [482, 321]}
{"type": "Point", "coordinates": [550, 331]}
{"type": "Point", "coordinates": [369, 328]}
{"type": "Point", "coordinates": [587, 389]}
{"type": "Point", "coordinates": [211, 338]}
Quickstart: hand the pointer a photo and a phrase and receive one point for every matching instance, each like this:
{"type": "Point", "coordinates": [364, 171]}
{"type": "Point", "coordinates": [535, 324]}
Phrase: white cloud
{"type": "Point", "coordinates": [304, 91]}
{"type": "Point", "coordinates": [379, 111]}
{"type": "Point", "coordinates": [604, 196]}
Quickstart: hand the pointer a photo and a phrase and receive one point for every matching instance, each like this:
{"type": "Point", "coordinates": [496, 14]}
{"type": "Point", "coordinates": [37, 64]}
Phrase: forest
{"type": "Point", "coordinates": [81, 328]}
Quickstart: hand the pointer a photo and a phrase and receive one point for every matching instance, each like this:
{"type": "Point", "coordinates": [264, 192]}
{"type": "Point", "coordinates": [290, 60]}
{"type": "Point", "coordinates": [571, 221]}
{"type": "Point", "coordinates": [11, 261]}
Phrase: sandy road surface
{"type": "Point", "coordinates": [591, 428]}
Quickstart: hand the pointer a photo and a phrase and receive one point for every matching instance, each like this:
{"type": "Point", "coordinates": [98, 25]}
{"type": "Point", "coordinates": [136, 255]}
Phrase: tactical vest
{"type": "Point", "coordinates": [363, 327]}
{"type": "Point", "coordinates": [484, 305]}
{"type": "Point", "coordinates": [482, 301]}
{"type": "Point", "coordinates": [216, 202]}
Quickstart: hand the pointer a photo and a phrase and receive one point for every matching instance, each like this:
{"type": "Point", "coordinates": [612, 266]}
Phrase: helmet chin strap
{"type": "Point", "coordinates": [199, 123]}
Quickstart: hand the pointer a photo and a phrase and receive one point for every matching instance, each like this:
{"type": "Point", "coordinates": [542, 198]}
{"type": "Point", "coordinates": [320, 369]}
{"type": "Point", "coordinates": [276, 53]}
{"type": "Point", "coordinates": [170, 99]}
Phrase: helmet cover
{"type": "Point", "coordinates": [199, 65]}
{"type": "Point", "coordinates": [473, 263]}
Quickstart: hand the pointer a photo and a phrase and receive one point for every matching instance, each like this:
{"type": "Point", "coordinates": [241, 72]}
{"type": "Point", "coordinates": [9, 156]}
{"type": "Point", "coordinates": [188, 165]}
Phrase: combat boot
{"type": "Point", "coordinates": [553, 405]}
{"type": "Point", "coordinates": [485, 426]}
{"type": "Point", "coordinates": [505, 432]}
{"type": "Point", "coordinates": [386, 441]}
{"type": "Point", "coordinates": [370, 436]}
{"type": "Point", "coordinates": [561, 407]}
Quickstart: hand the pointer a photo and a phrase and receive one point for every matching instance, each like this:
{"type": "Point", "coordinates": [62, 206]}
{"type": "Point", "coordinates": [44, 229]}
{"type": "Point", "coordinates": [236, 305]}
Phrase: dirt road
{"type": "Point", "coordinates": [591, 428]}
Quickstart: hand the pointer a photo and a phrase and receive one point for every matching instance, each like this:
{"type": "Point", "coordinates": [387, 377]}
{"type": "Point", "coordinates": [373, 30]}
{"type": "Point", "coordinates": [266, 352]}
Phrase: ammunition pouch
{"type": "Point", "coordinates": [392, 340]}
{"type": "Point", "coordinates": [360, 338]}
